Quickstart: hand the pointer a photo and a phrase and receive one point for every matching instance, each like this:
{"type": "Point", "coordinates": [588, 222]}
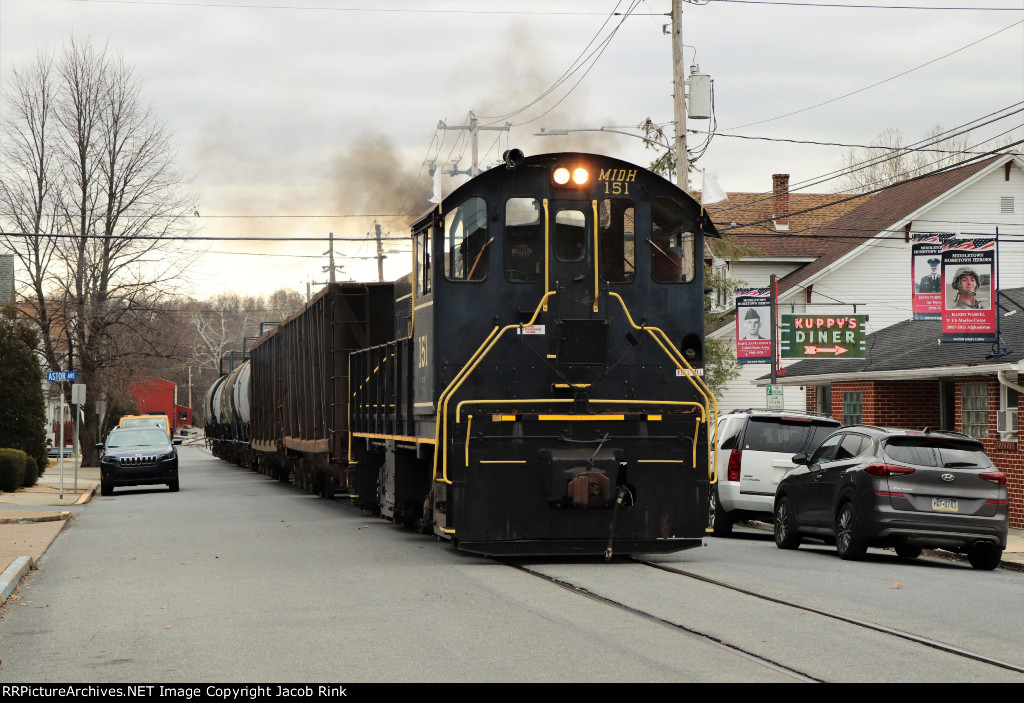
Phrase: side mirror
{"type": "Point", "coordinates": [99, 445]}
{"type": "Point", "coordinates": [177, 441]}
{"type": "Point", "coordinates": [801, 459]}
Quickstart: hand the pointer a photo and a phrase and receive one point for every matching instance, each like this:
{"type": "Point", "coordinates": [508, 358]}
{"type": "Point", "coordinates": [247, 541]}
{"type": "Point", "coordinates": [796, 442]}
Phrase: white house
{"type": "Point", "coordinates": [836, 255]}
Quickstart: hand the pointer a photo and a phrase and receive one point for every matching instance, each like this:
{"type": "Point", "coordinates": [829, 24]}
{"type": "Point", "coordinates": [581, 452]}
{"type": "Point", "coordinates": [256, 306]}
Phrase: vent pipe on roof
{"type": "Point", "coordinates": [780, 201]}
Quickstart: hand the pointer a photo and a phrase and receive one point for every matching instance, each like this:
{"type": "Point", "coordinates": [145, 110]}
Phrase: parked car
{"type": "Point", "coordinates": [149, 420]}
{"type": "Point", "coordinates": [755, 450]}
{"type": "Point", "coordinates": [138, 456]}
{"type": "Point", "coordinates": [869, 486]}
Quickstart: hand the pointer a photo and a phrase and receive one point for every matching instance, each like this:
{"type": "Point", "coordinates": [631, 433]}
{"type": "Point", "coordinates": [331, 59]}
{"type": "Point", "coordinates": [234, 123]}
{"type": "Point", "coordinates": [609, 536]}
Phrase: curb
{"type": "Point", "coordinates": [62, 515]}
{"type": "Point", "coordinates": [10, 578]}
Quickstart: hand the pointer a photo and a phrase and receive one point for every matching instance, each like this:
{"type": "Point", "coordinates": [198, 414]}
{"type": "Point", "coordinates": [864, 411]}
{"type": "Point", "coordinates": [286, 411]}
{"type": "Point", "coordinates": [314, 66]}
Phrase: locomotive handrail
{"type": "Point", "coordinates": [695, 381]}
{"type": "Point", "coordinates": [441, 429]}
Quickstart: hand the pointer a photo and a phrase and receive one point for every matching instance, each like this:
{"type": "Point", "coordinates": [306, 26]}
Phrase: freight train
{"type": "Point", "coordinates": [532, 387]}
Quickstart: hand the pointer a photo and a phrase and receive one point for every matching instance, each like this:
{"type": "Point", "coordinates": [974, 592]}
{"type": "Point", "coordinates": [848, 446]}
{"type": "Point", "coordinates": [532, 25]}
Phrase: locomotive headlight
{"type": "Point", "coordinates": [561, 175]}
{"type": "Point", "coordinates": [580, 176]}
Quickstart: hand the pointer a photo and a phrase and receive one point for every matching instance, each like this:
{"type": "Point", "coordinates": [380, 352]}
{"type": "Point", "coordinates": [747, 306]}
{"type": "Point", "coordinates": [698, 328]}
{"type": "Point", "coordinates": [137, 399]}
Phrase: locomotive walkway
{"type": "Point", "coordinates": [32, 518]}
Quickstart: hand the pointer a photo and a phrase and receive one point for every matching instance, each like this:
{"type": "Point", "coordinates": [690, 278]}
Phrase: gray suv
{"type": "Point", "coordinates": [755, 450]}
{"type": "Point", "coordinates": [872, 487]}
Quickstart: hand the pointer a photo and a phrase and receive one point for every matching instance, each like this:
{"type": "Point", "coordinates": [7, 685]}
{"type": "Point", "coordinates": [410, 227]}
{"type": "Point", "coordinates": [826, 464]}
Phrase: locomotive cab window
{"type": "Point", "coordinates": [524, 240]}
{"type": "Point", "coordinates": [422, 262]}
{"type": "Point", "coordinates": [570, 235]}
{"type": "Point", "coordinates": [466, 241]}
{"type": "Point", "coordinates": [616, 239]}
{"type": "Point", "coordinates": [671, 243]}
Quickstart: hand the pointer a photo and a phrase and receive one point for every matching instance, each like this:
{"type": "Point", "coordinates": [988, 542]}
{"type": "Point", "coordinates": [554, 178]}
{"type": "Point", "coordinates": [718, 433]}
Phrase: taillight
{"type": "Point", "coordinates": [996, 477]}
{"type": "Point", "coordinates": [734, 464]}
{"type": "Point", "coordinates": [883, 470]}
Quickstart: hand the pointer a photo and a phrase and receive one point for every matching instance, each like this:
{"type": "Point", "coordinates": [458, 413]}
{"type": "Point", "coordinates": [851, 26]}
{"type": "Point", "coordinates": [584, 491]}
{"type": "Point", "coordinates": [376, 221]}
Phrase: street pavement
{"type": "Point", "coordinates": [32, 518]}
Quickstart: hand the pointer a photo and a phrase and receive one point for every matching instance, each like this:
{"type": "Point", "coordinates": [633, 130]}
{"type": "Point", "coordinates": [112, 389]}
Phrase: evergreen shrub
{"type": "Point", "coordinates": [12, 469]}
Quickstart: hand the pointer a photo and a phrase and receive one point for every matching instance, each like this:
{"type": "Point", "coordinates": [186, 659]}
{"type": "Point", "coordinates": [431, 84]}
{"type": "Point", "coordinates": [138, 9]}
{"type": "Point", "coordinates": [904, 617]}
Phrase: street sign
{"type": "Point", "coordinates": [61, 376]}
{"type": "Point", "coordinates": [823, 336]}
{"type": "Point", "coordinates": [78, 394]}
{"type": "Point", "coordinates": [775, 398]}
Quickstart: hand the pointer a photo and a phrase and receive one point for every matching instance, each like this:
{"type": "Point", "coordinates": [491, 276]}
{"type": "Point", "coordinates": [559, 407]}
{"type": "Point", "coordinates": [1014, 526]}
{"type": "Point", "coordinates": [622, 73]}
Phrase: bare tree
{"type": "Point", "coordinates": [889, 159]}
{"type": "Point", "coordinates": [92, 200]}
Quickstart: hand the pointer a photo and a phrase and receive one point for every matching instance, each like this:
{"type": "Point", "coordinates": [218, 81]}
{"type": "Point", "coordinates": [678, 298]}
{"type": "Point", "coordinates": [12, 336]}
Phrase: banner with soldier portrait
{"type": "Point", "coordinates": [969, 290]}
{"type": "Point", "coordinates": [926, 260]}
{"type": "Point", "coordinates": [753, 325]}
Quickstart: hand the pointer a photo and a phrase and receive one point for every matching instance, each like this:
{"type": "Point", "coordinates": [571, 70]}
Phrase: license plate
{"type": "Point", "coordinates": [946, 505]}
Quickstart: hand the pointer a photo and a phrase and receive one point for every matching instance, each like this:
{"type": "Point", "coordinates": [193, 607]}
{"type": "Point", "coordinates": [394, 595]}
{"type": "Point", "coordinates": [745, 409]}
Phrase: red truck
{"type": "Point", "coordinates": [157, 395]}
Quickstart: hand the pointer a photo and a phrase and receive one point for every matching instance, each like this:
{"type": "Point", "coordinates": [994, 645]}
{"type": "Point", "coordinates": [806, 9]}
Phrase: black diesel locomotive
{"type": "Point", "coordinates": [530, 387]}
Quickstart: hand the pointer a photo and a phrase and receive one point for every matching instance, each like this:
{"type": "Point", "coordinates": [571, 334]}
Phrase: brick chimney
{"type": "Point", "coordinates": [780, 200]}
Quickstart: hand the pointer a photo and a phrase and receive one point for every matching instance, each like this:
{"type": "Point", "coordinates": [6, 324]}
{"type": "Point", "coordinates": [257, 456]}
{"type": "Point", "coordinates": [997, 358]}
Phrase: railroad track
{"type": "Point", "coordinates": [712, 640]}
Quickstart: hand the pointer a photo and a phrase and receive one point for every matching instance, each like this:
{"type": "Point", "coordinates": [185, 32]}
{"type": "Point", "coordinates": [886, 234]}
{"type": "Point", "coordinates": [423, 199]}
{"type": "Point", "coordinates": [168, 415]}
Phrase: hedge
{"type": "Point", "coordinates": [12, 469]}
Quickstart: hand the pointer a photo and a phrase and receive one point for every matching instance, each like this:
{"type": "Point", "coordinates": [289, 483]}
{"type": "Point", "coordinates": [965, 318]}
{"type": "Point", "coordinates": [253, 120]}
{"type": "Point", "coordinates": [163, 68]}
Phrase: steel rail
{"type": "Point", "coordinates": [908, 636]}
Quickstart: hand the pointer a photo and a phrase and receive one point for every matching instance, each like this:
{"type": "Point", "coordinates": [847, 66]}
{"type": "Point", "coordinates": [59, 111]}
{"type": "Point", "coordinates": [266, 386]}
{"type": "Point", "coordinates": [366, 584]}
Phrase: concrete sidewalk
{"type": "Point", "coordinates": [32, 518]}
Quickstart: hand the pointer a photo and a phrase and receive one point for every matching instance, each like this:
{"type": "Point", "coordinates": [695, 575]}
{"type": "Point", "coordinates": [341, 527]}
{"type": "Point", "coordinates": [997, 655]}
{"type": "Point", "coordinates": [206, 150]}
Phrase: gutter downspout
{"type": "Point", "coordinates": [1009, 384]}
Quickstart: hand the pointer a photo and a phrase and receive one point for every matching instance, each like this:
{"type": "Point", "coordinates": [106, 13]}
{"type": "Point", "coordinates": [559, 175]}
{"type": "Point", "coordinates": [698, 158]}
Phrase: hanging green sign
{"type": "Point", "coordinates": [822, 336]}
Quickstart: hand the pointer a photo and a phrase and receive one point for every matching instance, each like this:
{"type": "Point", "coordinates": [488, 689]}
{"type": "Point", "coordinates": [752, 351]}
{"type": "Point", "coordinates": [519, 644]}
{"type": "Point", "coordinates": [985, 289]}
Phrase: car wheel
{"type": "Point", "coordinates": [786, 534]}
{"type": "Point", "coordinates": [721, 520]}
{"type": "Point", "coordinates": [984, 556]}
{"type": "Point", "coordinates": [849, 543]}
{"type": "Point", "coordinates": [173, 485]}
{"type": "Point", "coordinates": [907, 551]}
{"type": "Point", "coordinates": [106, 489]}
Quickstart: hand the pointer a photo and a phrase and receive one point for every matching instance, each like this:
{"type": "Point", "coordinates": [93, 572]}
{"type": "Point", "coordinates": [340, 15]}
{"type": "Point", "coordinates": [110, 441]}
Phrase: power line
{"type": "Point", "coordinates": [878, 83]}
{"type": "Point", "coordinates": [310, 8]}
{"type": "Point", "coordinates": [860, 7]}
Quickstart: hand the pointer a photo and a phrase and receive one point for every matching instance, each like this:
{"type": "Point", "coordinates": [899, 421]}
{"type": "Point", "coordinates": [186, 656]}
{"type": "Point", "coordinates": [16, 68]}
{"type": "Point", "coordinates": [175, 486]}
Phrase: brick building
{"type": "Point", "coordinates": [910, 380]}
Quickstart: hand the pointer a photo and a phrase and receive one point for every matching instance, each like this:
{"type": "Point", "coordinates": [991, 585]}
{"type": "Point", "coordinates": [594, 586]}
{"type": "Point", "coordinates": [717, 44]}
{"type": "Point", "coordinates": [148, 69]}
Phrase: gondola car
{"type": "Point", "coordinates": [531, 388]}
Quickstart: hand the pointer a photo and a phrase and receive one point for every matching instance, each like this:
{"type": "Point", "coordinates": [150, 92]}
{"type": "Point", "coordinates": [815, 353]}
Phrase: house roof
{"type": "Point", "coordinates": [837, 226]}
{"type": "Point", "coordinates": [915, 345]}
{"type": "Point", "coordinates": [878, 214]}
{"type": "Point", "coordinates": [828, 227]}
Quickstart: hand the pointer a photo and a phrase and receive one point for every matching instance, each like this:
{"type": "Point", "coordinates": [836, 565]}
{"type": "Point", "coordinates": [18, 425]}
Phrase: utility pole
{"type": "Point", "coordinates": [330, 268]}
{"type": "Point", "coordinates": [679, 97]}
{"type": "Point", "coordinates": [380, 253]}
{"type": "Point", "coordinates": [474, 127]}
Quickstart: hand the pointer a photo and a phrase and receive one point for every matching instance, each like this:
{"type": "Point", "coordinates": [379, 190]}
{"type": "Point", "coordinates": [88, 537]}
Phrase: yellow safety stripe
{"type": "Point", "coordinates": [597, 280]}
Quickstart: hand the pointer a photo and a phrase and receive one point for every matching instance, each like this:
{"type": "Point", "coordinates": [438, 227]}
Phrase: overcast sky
{"type": "Point", "coordinates": [294, 116]}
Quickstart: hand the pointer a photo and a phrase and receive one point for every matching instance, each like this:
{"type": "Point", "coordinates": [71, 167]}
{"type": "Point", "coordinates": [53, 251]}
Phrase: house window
{"type": "Point", "coordinates": [1007, 422]}
{"type": "Point", "coordinates": [852, 408]}
{"type": "Point", "coordinates": [824, 400]}
{"type": "Point", "coordinates": [721, 275]}
{"type": "Point", "coordinates": [947, 405]}
{"type": "Point", "coordinates": [974, 409]}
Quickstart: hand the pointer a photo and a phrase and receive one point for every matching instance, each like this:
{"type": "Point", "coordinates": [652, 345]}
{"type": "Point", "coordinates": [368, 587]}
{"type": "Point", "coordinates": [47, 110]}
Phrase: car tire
{"type": "Point", "coordinates": [106, 489]}
{"type": "Point", "coordinates": [849, 542]}
{"type": "Point", "coordinates": [984, 557]}
{"type": "Point", "coordinates": [907, 551]}
{"type": "Point", "coordinates": [172, 485]}
{"type": "Point", "coordinates": [721, 520]}
{"type": "Point", "coordinates": [786, 534]}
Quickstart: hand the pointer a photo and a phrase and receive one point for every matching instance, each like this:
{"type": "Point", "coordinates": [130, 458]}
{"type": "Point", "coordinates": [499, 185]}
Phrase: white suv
{"type": "Point", "coordinates": [755, 450]}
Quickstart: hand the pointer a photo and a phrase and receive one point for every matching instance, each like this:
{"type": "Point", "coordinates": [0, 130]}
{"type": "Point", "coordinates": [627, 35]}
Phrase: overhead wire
{"type": "Point", "coordinates": [877, 83]}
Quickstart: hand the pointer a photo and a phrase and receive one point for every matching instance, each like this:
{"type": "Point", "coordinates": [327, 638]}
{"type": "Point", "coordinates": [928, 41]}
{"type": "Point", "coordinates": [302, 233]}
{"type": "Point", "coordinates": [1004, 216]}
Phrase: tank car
{"type": "Point", "coordinates": [532, 388]}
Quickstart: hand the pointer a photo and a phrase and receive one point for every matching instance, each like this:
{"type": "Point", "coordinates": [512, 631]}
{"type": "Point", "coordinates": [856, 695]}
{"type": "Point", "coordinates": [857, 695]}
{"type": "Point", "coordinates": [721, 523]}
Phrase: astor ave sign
{"type": "Point", "coordinates": [61, 376]}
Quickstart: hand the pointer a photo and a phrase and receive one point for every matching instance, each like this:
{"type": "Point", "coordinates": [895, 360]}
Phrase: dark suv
{"type": "Point", "coordinates": [138, 456]}
{"type": "Point", "coordinates": [907, 489]}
